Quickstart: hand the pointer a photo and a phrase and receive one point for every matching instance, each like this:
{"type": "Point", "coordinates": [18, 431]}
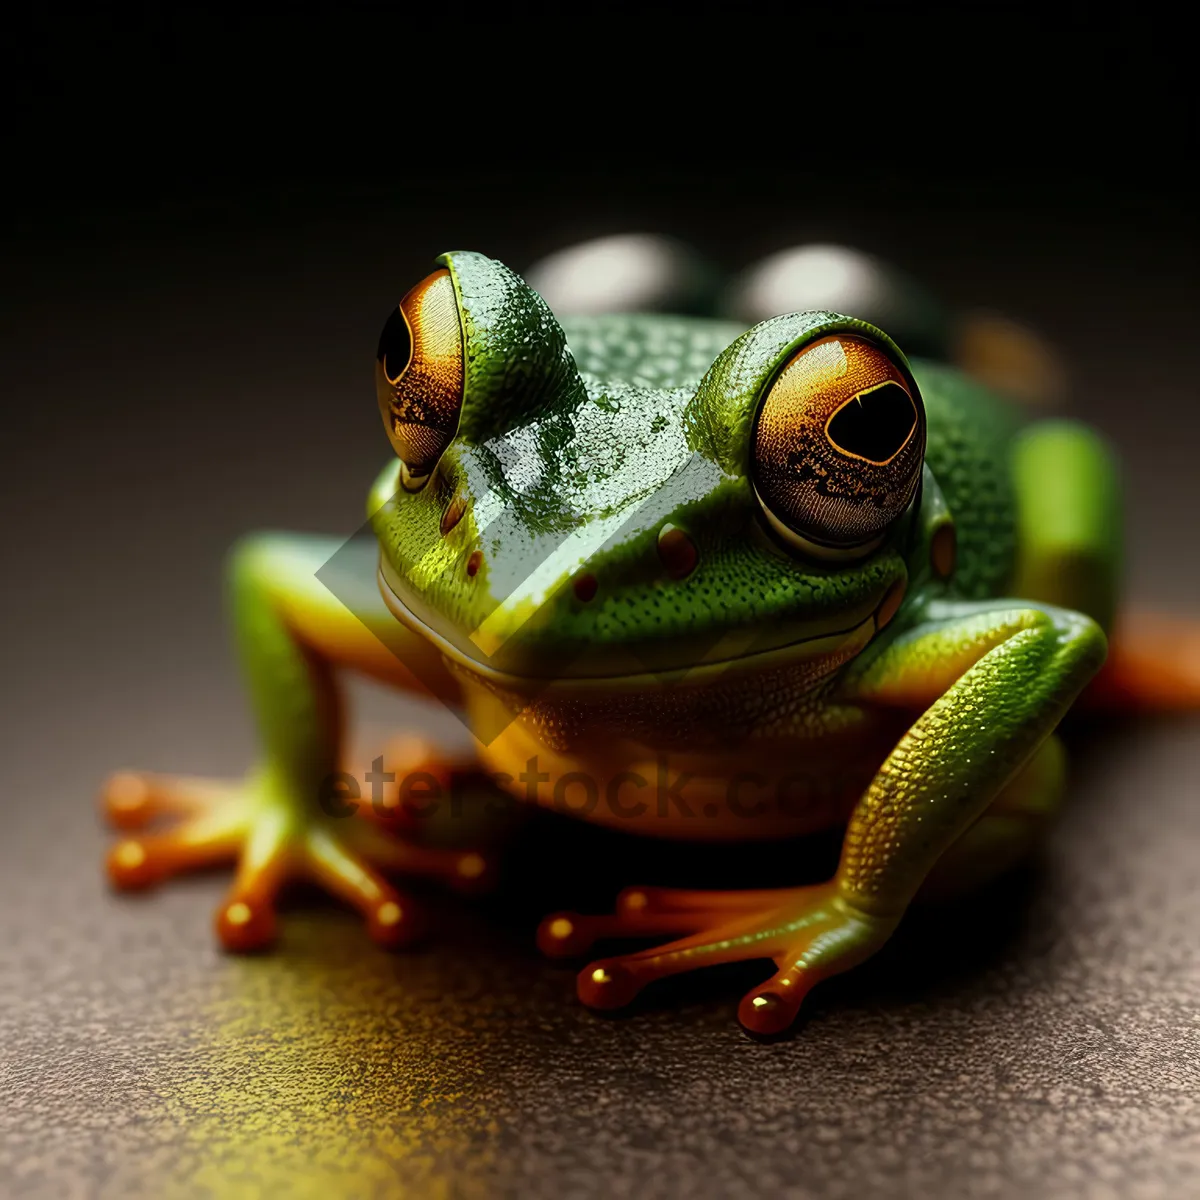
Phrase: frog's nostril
{"type": "Point", "coordinates": [474, 563]}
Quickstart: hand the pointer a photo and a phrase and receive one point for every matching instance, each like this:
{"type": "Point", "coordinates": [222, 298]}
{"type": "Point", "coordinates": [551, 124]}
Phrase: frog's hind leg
{"type": "Point", "coordinates": [1069, 555]}
{"type": "Point", "coordinates": [1068, 519]}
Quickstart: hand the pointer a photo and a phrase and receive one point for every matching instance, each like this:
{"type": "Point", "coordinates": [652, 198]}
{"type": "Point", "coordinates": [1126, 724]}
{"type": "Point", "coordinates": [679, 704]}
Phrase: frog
{"type": "Point", "coordinates": [687, 577]}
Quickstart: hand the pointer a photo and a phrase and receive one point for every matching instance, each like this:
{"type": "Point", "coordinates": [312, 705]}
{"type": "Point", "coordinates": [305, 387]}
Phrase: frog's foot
{"type": "Point", "coordinates": [273, 839]}
{"type": "Point", "coordinates": [809, 933]}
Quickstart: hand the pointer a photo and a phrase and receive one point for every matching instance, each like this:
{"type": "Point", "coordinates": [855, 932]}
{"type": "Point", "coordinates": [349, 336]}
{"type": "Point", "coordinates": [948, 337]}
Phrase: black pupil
{"type": "Point", "coordinates": [875, 424]}
{"type": "Point", "coordinates": [395, 345]}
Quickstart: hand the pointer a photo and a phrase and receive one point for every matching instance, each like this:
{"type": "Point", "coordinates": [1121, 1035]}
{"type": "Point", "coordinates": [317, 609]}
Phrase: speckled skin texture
{"type": "Point", "coordinates": [1039, 1041]}
{"type": "Point", "coordinates": [607, 454]}
{"type": "Point", "coordinates": [1026, 666]}
{"type": "Point", "coordinates": [809, 564]}
{"type": "Point", "coordinates": [966, 428]}
{"type": "Point", "coordinates": [516, 354]}
{"type": "Point", "coordinates": [609, 458]}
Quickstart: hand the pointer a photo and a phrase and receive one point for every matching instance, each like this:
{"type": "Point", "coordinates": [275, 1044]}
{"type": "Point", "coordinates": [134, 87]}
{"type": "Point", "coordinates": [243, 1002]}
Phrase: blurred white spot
{"type": "Point", "coordinates": [808, 277]}
{"type": "Point", "coordinates": [626, 273]}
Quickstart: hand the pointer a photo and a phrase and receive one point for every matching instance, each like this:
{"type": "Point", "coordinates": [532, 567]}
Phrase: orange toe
{"type": "Point", "coordinates": [130, 866]}
{"type": "Point", "coordinates": [607, 985]}
{"type": "Point", "coordinates": [473, 874]}
{"type": "Point", "coordinates": [564, 935]}
{"type": "Point", "coordinates": [768, 1012]}
{"type": "Point", "coordinates": [244, 924]}
{"type": "Point", "coordinates": [126, 801]}
{"type": "Point", "coordinates": [394, 923]}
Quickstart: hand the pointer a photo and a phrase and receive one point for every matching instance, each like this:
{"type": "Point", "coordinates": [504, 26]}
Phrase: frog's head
{"type": "Point", "coordinates": [687, 498]}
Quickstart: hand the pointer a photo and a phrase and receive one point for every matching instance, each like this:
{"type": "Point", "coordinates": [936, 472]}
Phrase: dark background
{"type": "Point", "coordinates": [206, 216]}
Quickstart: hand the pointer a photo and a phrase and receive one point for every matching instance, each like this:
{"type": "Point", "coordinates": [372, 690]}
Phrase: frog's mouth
{"type": "Point", "coordinates": [523, 665]}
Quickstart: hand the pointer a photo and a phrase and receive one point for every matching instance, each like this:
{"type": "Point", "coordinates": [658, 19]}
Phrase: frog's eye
{"type": "Point", "coordinates": [838, 443]}
{"type": "Point", "coordinates": [419, 376]}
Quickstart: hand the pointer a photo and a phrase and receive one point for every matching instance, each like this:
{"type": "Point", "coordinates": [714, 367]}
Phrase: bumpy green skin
{"type": "Point", "coordinates": [517, 359]}
{"type": "Point", "coordinates": [612, 461]}
{"type": "Point", "coordinates": [571, 460]}
{"type": "Point", "coordinates": [651, 424]}
{"type": "Point", "coordinates": [658, 431]}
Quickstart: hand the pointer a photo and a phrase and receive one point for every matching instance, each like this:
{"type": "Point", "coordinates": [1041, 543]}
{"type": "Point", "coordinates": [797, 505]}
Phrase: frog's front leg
{"type": "Point", "coordinates": [286, 819]}
{"type": "Point", "coordinates": [991, 681]}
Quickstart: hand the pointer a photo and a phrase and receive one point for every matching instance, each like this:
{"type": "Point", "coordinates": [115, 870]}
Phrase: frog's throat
{"type": "Point", "coordinates": [843, 644]}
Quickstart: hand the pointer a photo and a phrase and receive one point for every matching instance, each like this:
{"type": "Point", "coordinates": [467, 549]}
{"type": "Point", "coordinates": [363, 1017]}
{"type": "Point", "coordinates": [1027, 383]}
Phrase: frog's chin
{"type": "Point", "coordinates": [515, 668]}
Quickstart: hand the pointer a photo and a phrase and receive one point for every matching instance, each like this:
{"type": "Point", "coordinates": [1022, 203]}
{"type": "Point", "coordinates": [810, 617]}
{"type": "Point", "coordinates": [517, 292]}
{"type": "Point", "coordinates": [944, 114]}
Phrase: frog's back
{"type": "Point", "coordinates": [970, 429]}
{"type": "Point", "coordinates": [648, 350]}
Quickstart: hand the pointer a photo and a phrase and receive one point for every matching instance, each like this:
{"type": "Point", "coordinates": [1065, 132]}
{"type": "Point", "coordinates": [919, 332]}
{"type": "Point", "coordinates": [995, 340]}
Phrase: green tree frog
{"type": "Point", "coordinates": [690, 579]}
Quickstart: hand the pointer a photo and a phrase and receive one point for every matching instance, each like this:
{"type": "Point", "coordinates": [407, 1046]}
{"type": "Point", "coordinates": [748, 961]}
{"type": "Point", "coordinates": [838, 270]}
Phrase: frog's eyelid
{"type": "Point", "coordinates": [817, 550]}
{"type": "Point", "coordinates": [792, 541]}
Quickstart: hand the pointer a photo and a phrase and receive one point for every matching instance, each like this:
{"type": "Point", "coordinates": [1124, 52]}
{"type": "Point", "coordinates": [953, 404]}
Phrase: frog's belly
{"type": "Point", "coordinates": [759, 790]}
